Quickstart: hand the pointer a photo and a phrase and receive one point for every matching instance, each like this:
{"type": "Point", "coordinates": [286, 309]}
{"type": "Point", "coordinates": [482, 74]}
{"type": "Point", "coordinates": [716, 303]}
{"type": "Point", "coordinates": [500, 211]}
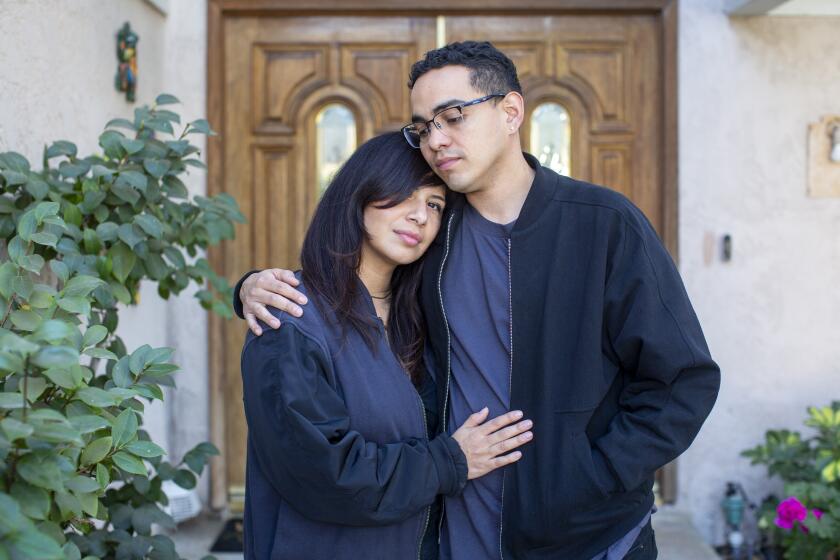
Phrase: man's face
{"type": "Point", "coordinates": [463, 157]}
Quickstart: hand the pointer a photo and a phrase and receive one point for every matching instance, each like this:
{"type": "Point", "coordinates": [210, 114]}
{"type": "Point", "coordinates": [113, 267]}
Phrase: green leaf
{"type": "Point", "coordinates": [138, 359]}
{"type": "Point", "coordinates": [123, 260]}
{"type": "Point", "coordinates": [121, 374]}
{"type": "Point", "coordinates": [120, 292]}
{"type": "Point", "coordinates": [91, 242]}
{"type": "Point", "coordinates": [61, 148]}
{"type": "Point", "coordinates": [73, 170]}
{"type": "Point", "coordinates": [27, 224]}
{"type": "Point", "coordinates": [110, 142]}
{"type": "Point", "coordinates": [94, 335]}
{"type": "Point", "coordinates": [55, 330]}
{"type": "Point", "coordinates": [120, 123]}
{"type": "Point", "coordinates": [62, 377]}
{"type": "Point", "coordinates": [10, 362]}
{"type": "Point", "coordinates": [96, 450]}
{"type": "Point", "coordinates": [37, 187]}
{"type": "Point", "coordinates": [69, 505]}
{"type": "Point", "coordinates": [125, 428]}
{"type": "Point", "coordinates": [89, 501]}
{"type": "Point", "coordinates": [107, 231]}
{"type": "Point", "coordinates": [143, 517]}
{"type": "Point", "coordinates": [125, 192]}
{"type": "Point", "coordinates": [201, 126]}
{"type": "Point", "coordinates": [35, 386]}
{"type": "Point", "coordinates": [32, 263]}
{"type": "Point", "coordinates": [101, 353]}
{"type": "Point", "coordinates": [60, 269]}
{"type": "Point", "coordinates": [14, 178]}
{"type": "Point", "coordinates": [22, 286]}
{"type": "Point", "coordinates": [82, 484]}
{"type": "Point", "coordinates": [156, 167]}
{"type": "Point", "coordinates": [129, 463]}
{"type": "Point", "coordinates": [166, 99]}
{"type": "Point", "coordinates": [176, 187]}
{"type": "Point", "coordinates": [150, 225]}
{"type": "Point", "coordinates": [8, 271]}
{"type": "Point", "coordinates": [103, 477]}
{"type": "Point", "coordinates": [25, 320]}
{"type": "Point", "coordinates": [56, 357]}
{"type": "Point", "coordinates": [58, 433]}
{"type": "Point", "coordinates": [35, 544]}
{"type": "Point", "coordinates": [45, 210]}
{"type": "Point", "coordinates": [132, 146]}
{"type": "Point", "coordinates": [11, 341]}
{"type": "Point", "coordinates": [131, 235]}
{"type": "Point", "coordinates": [134, 178]}
{"type": "Point", "coordinates": [72, 215]}
{"type": "Point", "coordinates": [89, 423]}
{"type": "Point", "coordinates": [94, 396]}
{"type": "Point", "coordinates": [41, 469]}
{"type": "Point", "coordinates": [44, 238]}
{"type": "Point", "coordinates": [185, 479]}
{"type": "Point", "coordinates": [78, 305]}
{"type": "Point", "coordinates": [14, 161]}
{"type": "Point", "coordinates": [34, 501]}
{"type": "Point", "coordinates": [145, 449]}
{"type": "Point", "coordinates": [81, 285]}
{"type": "Point", "coordinates": [11, 400]}
{"type": "Point", "coordinates": [15, 429]}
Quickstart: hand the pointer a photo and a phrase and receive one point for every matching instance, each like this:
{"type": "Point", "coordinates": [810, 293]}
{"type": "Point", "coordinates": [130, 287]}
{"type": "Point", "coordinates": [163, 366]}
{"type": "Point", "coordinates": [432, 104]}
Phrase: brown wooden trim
{"type": "Point", "coordinates": [670, 178]}
{"type": "Point", "coordinates": [288, 7]}
{"type": "Point", "coordinates": [670, 136]}
{"type": "Point", "coordinates": [215, 174]}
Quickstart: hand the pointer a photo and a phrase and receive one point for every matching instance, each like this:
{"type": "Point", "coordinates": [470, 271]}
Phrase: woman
{"type": "Point", "coordinates": [340, 464]}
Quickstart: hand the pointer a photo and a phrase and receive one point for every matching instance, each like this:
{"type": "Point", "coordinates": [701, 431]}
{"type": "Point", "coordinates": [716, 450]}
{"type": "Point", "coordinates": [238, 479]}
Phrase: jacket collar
{"type": "Point", "coordinates": [539, 194]}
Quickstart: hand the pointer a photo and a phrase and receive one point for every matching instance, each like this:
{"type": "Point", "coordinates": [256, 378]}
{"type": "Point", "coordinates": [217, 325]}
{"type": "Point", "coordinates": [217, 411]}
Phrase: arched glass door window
{"type": "Point", "coordinates": [551, 137]}
{"type": "Point", "coordinates": [335, 140]}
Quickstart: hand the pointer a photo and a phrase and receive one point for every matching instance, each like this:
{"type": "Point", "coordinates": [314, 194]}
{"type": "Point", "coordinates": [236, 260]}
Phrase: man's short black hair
{"type": "Point", "coordinates": [491, 71]}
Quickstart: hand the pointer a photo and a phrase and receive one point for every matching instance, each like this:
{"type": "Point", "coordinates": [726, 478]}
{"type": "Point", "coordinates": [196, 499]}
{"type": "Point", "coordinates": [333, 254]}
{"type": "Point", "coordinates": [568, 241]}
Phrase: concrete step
{"type": "Point", "coordinates": [676, 538]}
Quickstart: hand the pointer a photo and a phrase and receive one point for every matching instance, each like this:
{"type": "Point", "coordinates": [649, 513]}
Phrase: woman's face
{"type": "Point", "coordinates": [401, 234]}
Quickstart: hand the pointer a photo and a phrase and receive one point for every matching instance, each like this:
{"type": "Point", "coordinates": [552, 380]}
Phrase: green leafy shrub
{"type": "Point", "coordinates": [807, 523]}
{"type": "Point", "coordinates": [79, 477]}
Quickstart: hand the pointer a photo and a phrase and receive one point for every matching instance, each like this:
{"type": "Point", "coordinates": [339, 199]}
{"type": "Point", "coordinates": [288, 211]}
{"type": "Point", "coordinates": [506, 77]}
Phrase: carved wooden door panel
{"type": "Point", "coordinates": [299, 94]}
{"type": "Point", "coordinates": [600, 74]}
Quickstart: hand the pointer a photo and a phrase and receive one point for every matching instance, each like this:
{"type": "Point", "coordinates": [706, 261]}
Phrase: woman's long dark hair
{"type": "Point", "coordinates": [384, 170]}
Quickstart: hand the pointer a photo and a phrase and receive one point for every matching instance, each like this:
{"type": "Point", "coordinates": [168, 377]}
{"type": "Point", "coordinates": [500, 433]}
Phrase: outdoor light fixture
{"type": "Point", "coordinates": [835, 143]}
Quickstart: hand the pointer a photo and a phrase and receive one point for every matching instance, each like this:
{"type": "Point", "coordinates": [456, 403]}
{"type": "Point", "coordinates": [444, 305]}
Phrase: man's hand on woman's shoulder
{"type": "Point", "coordinates": [273, 287]}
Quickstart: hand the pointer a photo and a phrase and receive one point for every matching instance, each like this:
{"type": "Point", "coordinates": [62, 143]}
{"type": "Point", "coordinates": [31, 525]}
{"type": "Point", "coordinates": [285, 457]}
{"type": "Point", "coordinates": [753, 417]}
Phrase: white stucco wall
{"type": "Point", "coordinates": [57, 66]}
{"type": "Point", "coordinates": [748, 89]}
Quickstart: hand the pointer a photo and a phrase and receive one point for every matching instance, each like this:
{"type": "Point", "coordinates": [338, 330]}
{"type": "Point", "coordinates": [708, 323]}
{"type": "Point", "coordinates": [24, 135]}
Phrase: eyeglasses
{"type": "Point", "coordinates": [447, 121]}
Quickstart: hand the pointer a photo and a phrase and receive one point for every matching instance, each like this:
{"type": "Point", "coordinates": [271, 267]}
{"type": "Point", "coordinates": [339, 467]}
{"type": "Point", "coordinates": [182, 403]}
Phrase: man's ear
{"type": "Point", "coordinates": [513, 105]}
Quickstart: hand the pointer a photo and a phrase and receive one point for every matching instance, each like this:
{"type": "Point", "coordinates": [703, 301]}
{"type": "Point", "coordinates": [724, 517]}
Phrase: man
{"type": "Point", "coordinates": [554, 297]}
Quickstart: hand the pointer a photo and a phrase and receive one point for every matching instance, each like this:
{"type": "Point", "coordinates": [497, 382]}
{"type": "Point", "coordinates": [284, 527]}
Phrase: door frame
{"type": "Point", "coordinates": [218, 10]}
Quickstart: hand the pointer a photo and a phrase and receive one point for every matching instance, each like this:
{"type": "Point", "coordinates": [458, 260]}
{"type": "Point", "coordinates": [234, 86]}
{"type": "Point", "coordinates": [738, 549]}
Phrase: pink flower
{"type": "Point", "coordinates": [789, 512]}
{"type": "Point", "coordinates": [817, 513]}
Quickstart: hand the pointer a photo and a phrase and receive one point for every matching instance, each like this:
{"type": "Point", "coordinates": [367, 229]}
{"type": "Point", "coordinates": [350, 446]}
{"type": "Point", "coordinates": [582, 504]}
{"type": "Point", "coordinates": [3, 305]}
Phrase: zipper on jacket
{"type": "Point", "coordinates": [448, 353]}
{"type": "Point", "coordinates": [510, 386]}
{"type": "Point", "coordinates": [428, 508]}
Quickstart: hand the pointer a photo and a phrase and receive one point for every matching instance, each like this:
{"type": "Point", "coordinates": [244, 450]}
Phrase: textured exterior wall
{"type": "Point", "coordinates": [748, 89]}
{"type": "Point", "coordinates": [57, 66]}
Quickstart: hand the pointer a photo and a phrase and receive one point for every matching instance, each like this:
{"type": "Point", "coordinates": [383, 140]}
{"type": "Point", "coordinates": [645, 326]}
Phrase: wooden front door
{"type": "Point", "coordinates": [594, 81]}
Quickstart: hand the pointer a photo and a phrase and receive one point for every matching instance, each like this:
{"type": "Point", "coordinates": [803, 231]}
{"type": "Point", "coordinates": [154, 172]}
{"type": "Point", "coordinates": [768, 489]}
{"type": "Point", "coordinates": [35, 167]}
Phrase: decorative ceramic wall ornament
{"type": "Point", "coordinates": [126, 78]}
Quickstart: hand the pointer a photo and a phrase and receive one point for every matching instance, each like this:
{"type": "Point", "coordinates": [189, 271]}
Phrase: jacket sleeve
{"type": "Point", "coordinates": [237, 303]}
{"type": "Point", "coordinates": [299, 431]}
{"type": "Point", "coordinates": [654, 333]}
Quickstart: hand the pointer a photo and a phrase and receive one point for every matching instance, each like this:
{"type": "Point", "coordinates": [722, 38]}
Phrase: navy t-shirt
{"type": "Point", "coordinates": [479, 320]}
